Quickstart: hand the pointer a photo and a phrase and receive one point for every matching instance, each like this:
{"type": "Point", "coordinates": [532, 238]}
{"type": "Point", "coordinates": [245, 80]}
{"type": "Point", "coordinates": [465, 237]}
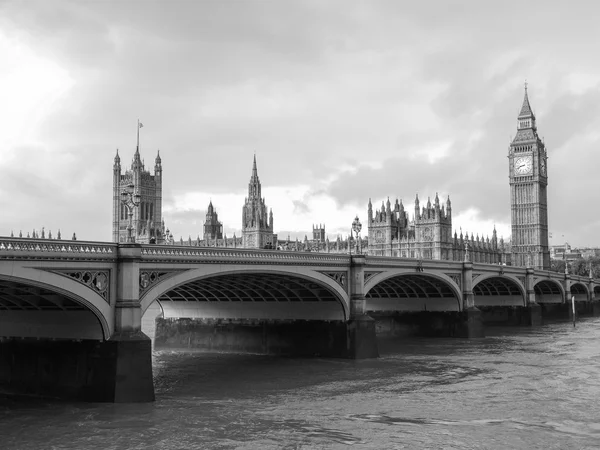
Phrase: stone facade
{"type": "Point", "coordinates": [257, 223]}
{"type": "Point", "coordinates": [147, 224]}
{"type": "Point", "coordinates": [528, 195]}
{"type": "Point", "coordinates": [213, 229]}
{"type": "Point", "coordinates": [319, 233]}
{"type": "Point", "coordinates": [428, 235]}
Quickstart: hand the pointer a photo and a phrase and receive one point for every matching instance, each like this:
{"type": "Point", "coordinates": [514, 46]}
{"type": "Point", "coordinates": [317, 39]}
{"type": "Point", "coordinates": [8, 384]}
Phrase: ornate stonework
{"type": "Point", "coordinates": [97, 280]}
{"type": "Point", "coordinates": [257, 221]}
{"type": "Point", "coordinates": [528, 179]}
{"type": "Point", "coordinates": [339, 277]}
{"type": "Point", "coordinates": [368, 275]}
{"type": "Point", "coordinates": [428, 235]}
{"type": "Point", "coordinates": [150, 277]}
{"type": "Point", "coordinates": [147, 217]}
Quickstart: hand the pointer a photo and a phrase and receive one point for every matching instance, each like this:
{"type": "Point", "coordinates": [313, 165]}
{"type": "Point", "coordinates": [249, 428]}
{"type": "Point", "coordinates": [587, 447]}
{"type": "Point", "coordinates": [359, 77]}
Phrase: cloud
{"type": "Point", "coordinates": [341, 102]}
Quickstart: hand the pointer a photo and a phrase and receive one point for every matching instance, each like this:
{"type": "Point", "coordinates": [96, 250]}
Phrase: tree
{"type": "Point", "coordinates": [557, 265]}
{"type": "Point", "coordinates": [582, 266]}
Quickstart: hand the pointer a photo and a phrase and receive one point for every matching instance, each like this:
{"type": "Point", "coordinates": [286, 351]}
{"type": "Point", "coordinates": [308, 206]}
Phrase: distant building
{"type": "Point", "coordinates": [213, 229]}
{"type": "Point", "coordinates": [428, 235]}
{"type": "Point", "coordinates": [148, 226]}
{"type": "Point", "coordinates": [257, 222]}
{"type": "Point", "coordinates": [319, 233]}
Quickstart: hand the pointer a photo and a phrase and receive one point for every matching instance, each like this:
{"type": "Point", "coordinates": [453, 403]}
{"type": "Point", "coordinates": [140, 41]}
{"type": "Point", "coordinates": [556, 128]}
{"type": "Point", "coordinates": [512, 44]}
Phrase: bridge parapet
{"type": "Point", "coordinates": [207, 254]}
{"type": "Point", "coordinates": [24, 248]}
{"type": "Point", "coordinates": [418, 264]}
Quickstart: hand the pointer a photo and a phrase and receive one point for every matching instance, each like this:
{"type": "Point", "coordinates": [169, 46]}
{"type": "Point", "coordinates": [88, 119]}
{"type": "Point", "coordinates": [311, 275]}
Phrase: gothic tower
{"type": "Point", "coordinates": [147, 224]}
{"type": "Point", "coordinates": [433, 229]}
{"type": "Point", "coordinates": [319, 233]}
{"type": "Point", "coordinates": [257, 225]}
{"type": "Point", "coordinates": [529, 202]}
{"type": "Point", "coordinates": [213, 229]}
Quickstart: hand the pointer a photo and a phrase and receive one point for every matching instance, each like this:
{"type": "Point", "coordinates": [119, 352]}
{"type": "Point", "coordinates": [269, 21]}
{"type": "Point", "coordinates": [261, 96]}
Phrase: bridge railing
{"type": "Point", "coordinates": [394, 261]}
{"type": "Point", "coordinates": [27, 248]}
{"type": "Point", "coordinates": [206, 254]}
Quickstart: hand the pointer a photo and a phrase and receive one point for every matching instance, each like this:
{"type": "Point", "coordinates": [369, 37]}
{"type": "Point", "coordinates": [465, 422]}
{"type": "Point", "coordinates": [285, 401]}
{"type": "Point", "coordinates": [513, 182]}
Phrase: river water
{"type": "Point", "coordinates": [529, 388]}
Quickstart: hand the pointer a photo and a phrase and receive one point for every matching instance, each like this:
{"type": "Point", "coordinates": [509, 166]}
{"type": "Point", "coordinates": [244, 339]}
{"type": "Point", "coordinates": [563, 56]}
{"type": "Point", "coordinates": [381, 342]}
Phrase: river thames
{"type": "Point", "coordinates": [523, 388]}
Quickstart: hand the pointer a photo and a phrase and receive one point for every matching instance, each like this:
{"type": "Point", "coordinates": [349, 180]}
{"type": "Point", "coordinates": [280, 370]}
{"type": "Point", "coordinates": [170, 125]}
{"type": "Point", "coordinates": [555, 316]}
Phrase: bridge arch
{"type": "Point", "coordinates": [580, 291]}
{"type": "Point", "coordinates": [548, 290]}
{"type": "Point", "coordinates": [281, 294]}
{"type": "Point", "coordinates": [408, 290]}
{"type": "Point", "coordinates": [49, 305]}
{"type": "Point", "coordinates": [499, 290]}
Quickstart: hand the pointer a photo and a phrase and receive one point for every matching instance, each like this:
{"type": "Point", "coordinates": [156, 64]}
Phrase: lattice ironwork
{"type": "Point", "coordinates": [368, 275]}
{"type": "Point", "coordinates": [339, 277]}
{"type": "Point", "coordinates": [457, 278]}
{"type": "Point", "coordinates": [97, 280]}
{"type": "Point", "coordinates": [148, 278]}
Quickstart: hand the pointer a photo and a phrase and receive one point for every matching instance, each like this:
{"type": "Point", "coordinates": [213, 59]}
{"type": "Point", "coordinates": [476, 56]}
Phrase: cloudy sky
{"type": "Point", "coordinates": [341, 101]}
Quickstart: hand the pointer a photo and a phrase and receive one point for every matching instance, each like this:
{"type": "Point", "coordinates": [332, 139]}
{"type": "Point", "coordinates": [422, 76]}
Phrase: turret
{"type": "Point", "coordinates": [417, 216]}
{"type": "Point", "coordinates": [117, 164]}
{"type": "Point", "coordinates": [157, 163]}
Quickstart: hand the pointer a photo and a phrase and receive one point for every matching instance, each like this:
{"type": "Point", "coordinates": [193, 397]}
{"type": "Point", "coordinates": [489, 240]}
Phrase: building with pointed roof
{"type": "Point", "coordinates": [257, 221]}
{"type": "Point", "coordinates": [428, 235]}
{"type": "Point", "coordinates": [213, 229]}
{"type": "Point", "coordinates": [528, 179]}
{"type": "Point", "coordinates": [148, 226]}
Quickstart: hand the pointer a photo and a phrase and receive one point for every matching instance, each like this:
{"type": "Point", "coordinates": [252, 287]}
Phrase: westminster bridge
{"type": "Point", "coordinates": [73, 314]}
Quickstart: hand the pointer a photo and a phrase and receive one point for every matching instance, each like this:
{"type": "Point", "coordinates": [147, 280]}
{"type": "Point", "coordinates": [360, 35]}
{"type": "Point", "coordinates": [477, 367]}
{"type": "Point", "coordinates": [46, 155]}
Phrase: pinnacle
{"type": "Point", "coordinates": [526, 108]}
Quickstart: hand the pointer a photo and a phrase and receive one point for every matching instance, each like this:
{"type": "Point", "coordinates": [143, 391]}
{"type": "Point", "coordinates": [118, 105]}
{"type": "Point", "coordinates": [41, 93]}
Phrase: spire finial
{"type": "Point", "coordinates": [526, 107]}
{"type": "Point", "coordinates": [137, 148]}
{"type": "Point", "coordinates": [254, 169]}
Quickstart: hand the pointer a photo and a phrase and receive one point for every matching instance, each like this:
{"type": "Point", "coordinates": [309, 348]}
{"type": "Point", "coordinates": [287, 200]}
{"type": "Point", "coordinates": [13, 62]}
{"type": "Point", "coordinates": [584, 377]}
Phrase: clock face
{"type": "Point", "coordinates": [543, 167]}
{"type": "Point", "coordinates": [523, 165]}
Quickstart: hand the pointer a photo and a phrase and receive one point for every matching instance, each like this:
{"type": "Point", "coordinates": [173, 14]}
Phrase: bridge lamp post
{"type": "Point", "coordinates": [356, 227]}
{"type": "Point", "coordinates": [131, 201]}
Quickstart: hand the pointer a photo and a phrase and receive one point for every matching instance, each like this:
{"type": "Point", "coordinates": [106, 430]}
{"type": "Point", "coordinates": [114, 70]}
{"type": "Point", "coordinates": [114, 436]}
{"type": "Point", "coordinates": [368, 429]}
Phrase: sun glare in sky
{"type": "Point", "coordinates": [30, 85]}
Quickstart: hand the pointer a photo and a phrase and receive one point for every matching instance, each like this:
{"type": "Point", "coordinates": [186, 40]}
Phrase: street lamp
{"type": "Point", "coordinates": [356, 227]}
{"type": "Point", "coordinates": [131, 201]}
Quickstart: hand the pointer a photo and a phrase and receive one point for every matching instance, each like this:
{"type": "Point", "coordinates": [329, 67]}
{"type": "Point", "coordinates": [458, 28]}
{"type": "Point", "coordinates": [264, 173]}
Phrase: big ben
{"type": "Point", "coordinates": [528, 175]}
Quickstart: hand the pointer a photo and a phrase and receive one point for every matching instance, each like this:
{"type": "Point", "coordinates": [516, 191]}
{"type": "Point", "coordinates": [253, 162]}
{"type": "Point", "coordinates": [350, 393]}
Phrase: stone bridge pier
{"type": "Point", "coordinates": [61, 339]}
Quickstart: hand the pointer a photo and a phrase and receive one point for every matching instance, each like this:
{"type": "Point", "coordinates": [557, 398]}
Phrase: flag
{"type": "Point", "coordinates": [141, 124]}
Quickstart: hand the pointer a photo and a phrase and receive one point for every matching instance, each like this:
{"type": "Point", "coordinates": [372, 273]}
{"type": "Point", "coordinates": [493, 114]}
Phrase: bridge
{"type": "Point", "coordinates": [75, 316]}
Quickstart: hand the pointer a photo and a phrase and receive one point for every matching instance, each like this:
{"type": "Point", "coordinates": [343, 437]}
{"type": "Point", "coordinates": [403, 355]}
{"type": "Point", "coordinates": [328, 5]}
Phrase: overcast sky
{"type": "Point", "coordinates": [341, 101]}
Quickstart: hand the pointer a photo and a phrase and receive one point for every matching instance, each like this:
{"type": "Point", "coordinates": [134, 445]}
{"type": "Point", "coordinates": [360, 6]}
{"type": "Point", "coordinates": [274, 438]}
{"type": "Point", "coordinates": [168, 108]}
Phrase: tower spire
{"type": "Point", "coordinates": [526, 107]}
{"type": "Point", "coordinates": [254, 170]}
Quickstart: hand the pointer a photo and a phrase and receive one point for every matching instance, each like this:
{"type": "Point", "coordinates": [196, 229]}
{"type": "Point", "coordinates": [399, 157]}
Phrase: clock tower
{"type": "Point", "coordinates": [528, 195]}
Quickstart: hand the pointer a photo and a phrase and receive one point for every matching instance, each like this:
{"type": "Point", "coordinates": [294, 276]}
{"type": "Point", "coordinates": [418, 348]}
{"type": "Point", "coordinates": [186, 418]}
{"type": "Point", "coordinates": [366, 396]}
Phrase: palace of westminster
{"type": "Point", "coordinates": [391, 232]}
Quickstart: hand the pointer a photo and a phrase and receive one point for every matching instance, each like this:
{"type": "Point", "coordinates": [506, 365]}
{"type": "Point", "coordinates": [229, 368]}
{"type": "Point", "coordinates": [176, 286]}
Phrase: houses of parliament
{"type": "Point", "coordinates": [391, 230]}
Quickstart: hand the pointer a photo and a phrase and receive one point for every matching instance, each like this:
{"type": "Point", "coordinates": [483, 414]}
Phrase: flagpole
{"type": "Point", "coordinates": [138, 135]}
